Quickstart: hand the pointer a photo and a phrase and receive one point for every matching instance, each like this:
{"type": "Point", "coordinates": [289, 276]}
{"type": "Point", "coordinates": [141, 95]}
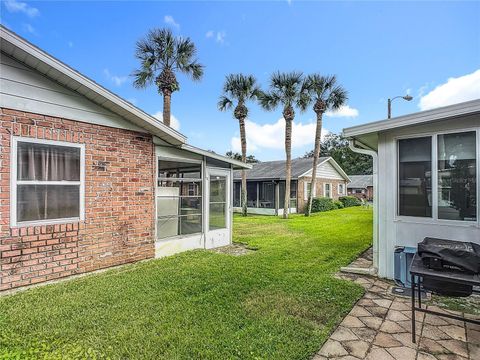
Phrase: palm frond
{"type": "Point", "coordinates": [161, 51]}
{"type": "Point", "coordinates": [325, 88]}
{"type": "Point", "coordinates": [269, 101]}
{"type": "Point", "coordinates": [338, 97]}
{"type": "Point", "coordinates": [224, 103]}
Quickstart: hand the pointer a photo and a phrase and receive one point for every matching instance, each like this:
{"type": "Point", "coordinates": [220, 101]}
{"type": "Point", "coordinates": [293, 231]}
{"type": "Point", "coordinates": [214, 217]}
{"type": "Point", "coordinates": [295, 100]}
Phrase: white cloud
{"type": "Point", "coordinates": [70, 44]}
{"type": "Point", "coordinates": [117, 80]}
{"type": "Point", "coordinates": [344, 111]}
{"type": "Point", "coordinates": [169, 20]}
{"type": "Point", "coordinates": [17, 6]}
{"type": "Point", "coordinates": [219, 36]}
{"type": "Point", "coordinates": [174, 122]}
{"type": "Point", "coordinates": [29, 28]}
{"type": "Point", "coordinates": [272, 136]}
{"type": "Point", "coordinates": [455, 90]}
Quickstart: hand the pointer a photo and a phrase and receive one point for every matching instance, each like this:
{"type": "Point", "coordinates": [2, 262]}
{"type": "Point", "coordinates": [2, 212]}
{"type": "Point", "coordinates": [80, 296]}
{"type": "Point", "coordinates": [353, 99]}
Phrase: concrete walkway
{"type": "Point", "coordinates": [379, 327]}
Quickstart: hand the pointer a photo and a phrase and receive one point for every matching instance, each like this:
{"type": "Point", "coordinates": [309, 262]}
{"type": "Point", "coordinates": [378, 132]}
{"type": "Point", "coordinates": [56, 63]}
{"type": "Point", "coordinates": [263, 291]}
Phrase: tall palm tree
{"type": "Point", "coordinates": [240, 88]}
{"type": "Point", "coordinates": [326, 95]}
{"type": "Point", "coordinates": [161, 56]}
{"type": "Point", "coordinates": [287, 90]}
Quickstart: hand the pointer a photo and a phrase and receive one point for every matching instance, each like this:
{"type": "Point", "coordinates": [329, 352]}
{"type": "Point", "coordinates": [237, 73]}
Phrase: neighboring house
{"type": "Point", "coordinates": [426, 170]}
{"type": "Point", "coordinates": [361, 186]}
{"type": "Point", "coordinates": [266, 185]}
{"type": "Point", "coordinates": [89, 181]}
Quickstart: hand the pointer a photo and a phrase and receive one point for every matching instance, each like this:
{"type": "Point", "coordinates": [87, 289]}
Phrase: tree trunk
{"type": "Point", "coordinates": [243, 140]}
{"type": "Point", "coordinates": [316, 155]}
{"type": "Point", "coordinates": [288, 165]}
{"type": "Point", "coordinates": [167, 97]}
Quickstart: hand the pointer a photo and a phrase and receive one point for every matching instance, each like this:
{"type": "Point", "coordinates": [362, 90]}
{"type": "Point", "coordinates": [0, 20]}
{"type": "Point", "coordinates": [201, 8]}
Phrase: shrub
{"type": "Point", "coordinates": [338, 204]}
{"type": "Point", "coordinates": [348, 201]}
{"type": "Point", "coordinates": [322, 204]}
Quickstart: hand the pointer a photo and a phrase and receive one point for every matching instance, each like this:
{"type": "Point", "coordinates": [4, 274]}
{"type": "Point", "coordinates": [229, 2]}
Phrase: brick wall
{"type": "Point", "coordinates": [119, 203]}
{"type": "Point", "coordinates": [368, 195]}
{"type": "Point", "coordinates": [319, 184]}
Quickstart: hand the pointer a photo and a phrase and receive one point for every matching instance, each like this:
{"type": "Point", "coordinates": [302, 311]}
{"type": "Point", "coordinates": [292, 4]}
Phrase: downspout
{"type": "Point", "coordinates": [374, 155]}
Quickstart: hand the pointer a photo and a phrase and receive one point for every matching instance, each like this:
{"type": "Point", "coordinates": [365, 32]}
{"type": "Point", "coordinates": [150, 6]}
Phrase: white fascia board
{"type": "Point", "coordinates": [237, 164]}
{"type": "Point", "coordinates": [461, 109]}
{"type": "Point", "coordinates": [81, 82]}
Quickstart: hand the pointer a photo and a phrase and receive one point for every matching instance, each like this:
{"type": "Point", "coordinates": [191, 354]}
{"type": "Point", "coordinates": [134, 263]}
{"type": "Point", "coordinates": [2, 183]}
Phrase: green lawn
{"type": "Point", "coordinates": [278, 302]}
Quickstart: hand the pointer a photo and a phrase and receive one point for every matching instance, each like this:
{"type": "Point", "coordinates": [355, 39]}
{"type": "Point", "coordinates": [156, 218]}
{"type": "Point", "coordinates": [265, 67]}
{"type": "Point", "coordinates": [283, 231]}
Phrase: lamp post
{"type": "Point", "coordinates": [406, 97]}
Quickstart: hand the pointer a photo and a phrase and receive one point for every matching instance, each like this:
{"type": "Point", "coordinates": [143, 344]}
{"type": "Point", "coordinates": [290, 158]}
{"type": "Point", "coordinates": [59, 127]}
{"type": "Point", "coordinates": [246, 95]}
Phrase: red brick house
{"type": "Point", "coordinates": [266, 185]}
{"type": "Point", "coordinates": [361, 187]}
{"type": "Point", "coordinates": [89, 181]}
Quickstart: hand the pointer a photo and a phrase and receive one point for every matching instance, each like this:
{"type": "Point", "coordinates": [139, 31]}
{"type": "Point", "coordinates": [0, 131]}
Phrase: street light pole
{"type": "Point", "coordinates": [406, 97]}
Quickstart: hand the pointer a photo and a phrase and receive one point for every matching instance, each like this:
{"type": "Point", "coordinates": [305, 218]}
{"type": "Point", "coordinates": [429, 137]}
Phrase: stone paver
{"type": "Point", "coordinates": [379, 328]}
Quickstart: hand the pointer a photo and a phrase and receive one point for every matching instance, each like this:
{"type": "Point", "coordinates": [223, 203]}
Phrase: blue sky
{"type": "Point", "coordinates": [377, 49]}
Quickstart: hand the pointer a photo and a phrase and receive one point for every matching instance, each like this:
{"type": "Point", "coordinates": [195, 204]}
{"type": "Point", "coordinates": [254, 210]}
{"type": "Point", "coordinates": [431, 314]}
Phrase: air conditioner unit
{"type": "Point", "coordinates": [403, 256]}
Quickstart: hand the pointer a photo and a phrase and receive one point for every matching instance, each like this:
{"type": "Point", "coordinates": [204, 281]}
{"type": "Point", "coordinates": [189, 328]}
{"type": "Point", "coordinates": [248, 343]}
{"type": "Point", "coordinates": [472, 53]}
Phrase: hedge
{"type": "Point", "coordinates": [322, 204]}
{"type": "Point", "coordinates": [348, 201]}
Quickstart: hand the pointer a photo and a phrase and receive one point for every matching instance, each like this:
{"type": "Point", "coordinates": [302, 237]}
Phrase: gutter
{"type": "Point", "coordinates": [374, 155]}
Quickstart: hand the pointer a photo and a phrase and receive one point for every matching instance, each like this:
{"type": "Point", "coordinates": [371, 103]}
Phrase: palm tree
{"type": "Point", "coordinates": [240, 88]}
{"type": "Point", "coordinates": [287, 90]}
{"type": "Point", "coordinates": [326, 95]}
{"type": "Point", "coordinates": [161, 55]}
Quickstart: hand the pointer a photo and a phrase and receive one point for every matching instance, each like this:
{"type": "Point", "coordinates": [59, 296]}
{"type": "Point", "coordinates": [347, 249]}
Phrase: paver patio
{"type": "Point", "coordinates": [379, 328]}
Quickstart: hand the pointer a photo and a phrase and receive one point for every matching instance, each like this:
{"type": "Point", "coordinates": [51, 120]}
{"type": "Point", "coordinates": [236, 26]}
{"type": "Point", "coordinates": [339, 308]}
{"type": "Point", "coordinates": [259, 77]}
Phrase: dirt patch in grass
{"type": "Point", "coordinates": [234, 250]}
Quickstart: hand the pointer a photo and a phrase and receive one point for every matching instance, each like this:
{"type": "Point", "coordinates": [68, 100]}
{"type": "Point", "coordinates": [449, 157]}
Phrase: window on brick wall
{"type": "Point", "coordinates": [47, 181]}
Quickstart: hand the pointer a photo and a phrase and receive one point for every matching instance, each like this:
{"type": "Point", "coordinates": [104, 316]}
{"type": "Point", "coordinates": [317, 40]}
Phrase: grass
{"type": "Point", "coordinates": [279, 302]}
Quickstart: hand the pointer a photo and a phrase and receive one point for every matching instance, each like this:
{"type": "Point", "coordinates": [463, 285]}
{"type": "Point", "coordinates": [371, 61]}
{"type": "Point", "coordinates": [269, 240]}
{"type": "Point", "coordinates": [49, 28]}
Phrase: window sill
{"type": "Point", "coordinates": [46, 222]}
{"type": "Point", "coordinates": [429, 221]}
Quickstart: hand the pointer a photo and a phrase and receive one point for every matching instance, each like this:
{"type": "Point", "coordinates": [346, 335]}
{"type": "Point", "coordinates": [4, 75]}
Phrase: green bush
{"type": "Point", "coordinates": [322, 204]}
{"type": "Point", "coordinates": [338, 204]}
{"type": "Point", "coordinates": [348, 201]}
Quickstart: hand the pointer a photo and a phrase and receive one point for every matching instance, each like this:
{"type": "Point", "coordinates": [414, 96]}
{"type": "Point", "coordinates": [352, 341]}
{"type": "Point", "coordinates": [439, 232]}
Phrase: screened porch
{"type": "Point", "coordinates": [265, 196]}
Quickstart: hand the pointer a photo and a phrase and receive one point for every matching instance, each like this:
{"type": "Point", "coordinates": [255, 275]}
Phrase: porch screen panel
{"type": "Point", "coordinates": [218, 202]}
{"type": "Point", "coordinates": [415, 177]}
{"type": "Point", "coordinates": [267, 195]}
{"type": "Point", "coordinates": [457, 176]}
{"type": "Point", "coordinates": [293, 193]}
{"type": "Point", "coordinates": [179, 199]}
{"type": "Point", "coordinates": [237, 190]}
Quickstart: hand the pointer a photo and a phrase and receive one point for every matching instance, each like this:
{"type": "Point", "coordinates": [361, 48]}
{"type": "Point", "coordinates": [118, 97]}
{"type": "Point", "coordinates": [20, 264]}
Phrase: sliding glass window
{"type": "Point", "coordinates": [179, 198]}
{"type": "Point", "coordinates": [457, 176]}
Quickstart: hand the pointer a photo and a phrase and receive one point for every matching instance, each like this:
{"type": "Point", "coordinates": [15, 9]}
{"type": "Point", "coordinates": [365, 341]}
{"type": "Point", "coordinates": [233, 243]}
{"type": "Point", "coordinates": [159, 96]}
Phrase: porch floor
{"type": "Point", "coordinates": [379, 327]}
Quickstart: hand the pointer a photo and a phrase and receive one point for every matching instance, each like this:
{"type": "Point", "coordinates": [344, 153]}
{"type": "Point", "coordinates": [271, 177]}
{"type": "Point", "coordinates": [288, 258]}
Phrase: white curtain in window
{"type": "Point", "coordinates": [40, 162]}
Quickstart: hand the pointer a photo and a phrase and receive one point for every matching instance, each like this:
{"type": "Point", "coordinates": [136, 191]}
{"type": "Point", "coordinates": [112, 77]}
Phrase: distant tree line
{"type": "Point", "coordinates": [250, 159]}
{"type": "Point", "coordinates": [337, 147]}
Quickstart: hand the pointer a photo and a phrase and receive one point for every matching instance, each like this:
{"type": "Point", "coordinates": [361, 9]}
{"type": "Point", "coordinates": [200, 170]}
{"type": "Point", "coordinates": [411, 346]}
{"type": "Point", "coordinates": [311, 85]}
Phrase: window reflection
{"type": "Point", "coordinates": [457, 181]}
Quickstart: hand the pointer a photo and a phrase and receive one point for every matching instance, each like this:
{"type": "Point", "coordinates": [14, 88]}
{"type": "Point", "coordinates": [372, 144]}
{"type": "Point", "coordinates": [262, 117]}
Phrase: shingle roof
{"type": "Point", "coordinates": [276, 169]}
{"type": "Point", "coordinates": [360, 181]}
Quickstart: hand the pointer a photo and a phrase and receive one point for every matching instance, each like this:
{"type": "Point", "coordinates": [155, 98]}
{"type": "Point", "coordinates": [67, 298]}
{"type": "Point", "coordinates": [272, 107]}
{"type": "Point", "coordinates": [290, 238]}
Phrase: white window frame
{"type": "Point", "coordinates": [14, 182]}
{"type": "Point", "coordinates": [434, 218]}
{"type": "Point", "coordinates": [325, 190]}
{"type": "Point", "coordinates": [305, 190]}
{"type": "Point", "coordinates": [341, 185]}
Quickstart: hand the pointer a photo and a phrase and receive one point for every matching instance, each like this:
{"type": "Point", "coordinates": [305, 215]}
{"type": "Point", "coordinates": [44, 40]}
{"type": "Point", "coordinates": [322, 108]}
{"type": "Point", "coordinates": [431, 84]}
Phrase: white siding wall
{"type": "Point", "coordinates": [24, 89]}
{"type": "Point", "coordinates": [326, 171]}
{"type": "Point", "coordinates": [408, 231]}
